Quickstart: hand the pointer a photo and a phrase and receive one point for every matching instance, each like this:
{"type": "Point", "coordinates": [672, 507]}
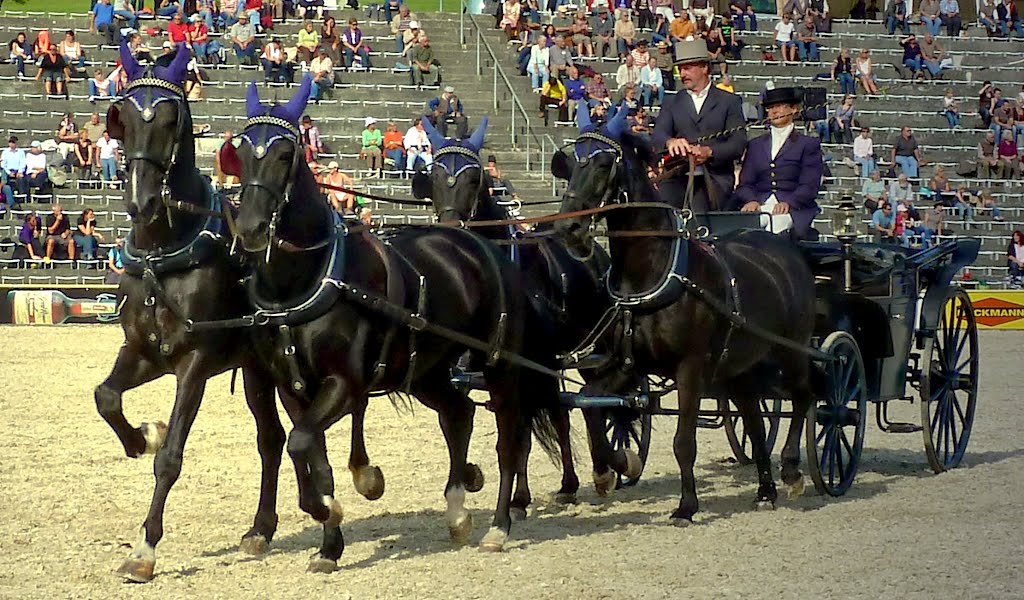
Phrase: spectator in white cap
{"type": "Point", "coordinates": [400, 24]}
{"type": "Point", "coordinates": [343, 202]}
{"type": "Point", "coordinates": [166, 57]}
{"type": "Point", "coordinates": [373, 141]}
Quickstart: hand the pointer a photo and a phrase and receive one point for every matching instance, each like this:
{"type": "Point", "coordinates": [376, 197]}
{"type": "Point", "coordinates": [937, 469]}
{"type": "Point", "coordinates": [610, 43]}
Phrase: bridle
{"type": "Point", "coordinates": [262, 132]}
{"type": "Point", "coordinates": [147, 109]}
{"type": "Point", "coordinates": [453, 168]}
{"type": "Point", "coordinates": [600, 144]}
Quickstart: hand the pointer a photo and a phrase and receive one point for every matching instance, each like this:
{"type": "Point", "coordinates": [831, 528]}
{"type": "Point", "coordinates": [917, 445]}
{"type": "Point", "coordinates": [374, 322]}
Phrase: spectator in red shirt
{"type": "Point", "coordinates": [177, 30]}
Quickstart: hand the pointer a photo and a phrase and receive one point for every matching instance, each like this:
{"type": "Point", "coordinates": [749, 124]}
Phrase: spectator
{"type": "Point", "coordinates": [901, 190]}
{"type": "Point", "coordinates": [986, 99]}
{"type": "Point", "coordinates": [394, 147]}
{"type": "Point", "coordinates": [41, 44]}
{"type": "Point", "coordinates": [275, 63]}
{"type": "Point", "coordinates": [725, 84]}
{"type": "Point", "coordinates": [896, 16]}
{"type": "Point", "coordinates": [906, 153]}
{"type": "Point", "coordinates": [330, 41]}
{"type": "Point", "coordinates": [597, 92]}
{"type": "Point", "coordinates": [343, 202]}
{"type": "Point", "coordinates": [199, 40]}
{"type": "Point", "coordinates": [12, 161]}
{"type": "Point", "coordinates": [501, 184]}
{"type": "Point", "coordinates": [866, 72]}
{"type": "Point", "coordinates": [842, 71]}
{"type": "Point", "coordinates": [322, 70]}
{"type": "Point", "coordinates": [933, 220]}
{"type": "Point", "coordinates": [645, 14]}
{"type": "Point", "coordinates": [81, 156]}
{"type": "Point", "coordinates": [651, 85]}
{"type": "Point", "coordinates": [229, 13]}
{"type": "Point", "coordinates": [1008, 156]}
{"type": "Point", "coordinates": [912, 225]}
{"type": "Point", "coordinates": [625, 33]}
{"type": "Point", "coordinates": [964, 205]}
{"type": "Point", "coordinates": [309, 6]}
{"type": "Point", "coordinates": [951, 109]}
{"type": "Point", "coordinates": [401, 24]}
{"type": "Point", "coordinates": [372, 141]}
{"type": "Point", "coordinates": [932, 55]}
{"type": "Point", "coordinates": [1002, 115]}
{"type": "Point", "coordinates": [983, 201]}
{"type": "Point", "coordinates": [123, 9]}
{"type": "Point", "coordinates": [806, 42]}
{"type": "Point", "coordinates": [104, 88]}
{"type": "Point", "coordinates": [740, 10]}
{"type": "Point", "coordinates": [139, 51]}
{"type": "Point", "coordinates": [912, 56]}
{"type": "Point", "coordinates": [581, 35]}
{"type": "Point", "coordinates": [168, 8]}
{"type": "Point", "coordinates": [664, 58]}
{"type": "Point", "coordinates": [29, 235]}
{"type": "Point", "coordinates": [730, 43]}
{"type": "Point", "coordinates": [930, 16]}
{"type": "Point", "coordinates": [873, 191]}
{"type": "Point", "coordinates": [715, 44]}
{"type": "Point", "coordinates": [627, 73]}
{"type": "Point", "coordinates": [310, 139]}
{"type": "Point", "coordinates": [109, 152]}
{"type": "Point", "coordinates": [797, 9]}
{"type": "Point", "coordinates": [575, 90]}
{"type": "Point", "coordinates": [417, 146]}
{"type": "Point", "coordinates": [243, 40]}
{"type": "Point", "coordinates": [35, 169]}
{"type": "Point", "coordinates": [988, 155]}
{"type": "Point", "coordinates": [354, 45]}
{"type": "Point", "coordinates": [819, 11]}
{"type": "Point", "coordinates": [71, 50]}
{"type": "Point", "coordinates": [883, 224]}
{"type": "Point", "coordinates": [166, 56]}
{"type": "Point", "coordinates": [102, 23]}
{"type": "Point", "coordinates": [664, 8]}
{"type": "Point", "coordinates": [630, 100]}
{"type": "Point", "coordinates": [58, 233]}
{"type": "Point", "coordinates": [560, 57]}
{"type": "Point", "coordinates": [511, 11]}
{"type": "Point", "coordinates": [603, 29]}
{"type": "Point", "coordinates": [987, 18]}
{"type": "Point", "coordinates": [554, 95]}
{"type": "Point", "coordinates": [86, 237]}
{"type": "Point", "coordinates": [540, 57]}
{"type": "Point", "coordinates": [784, 38]}
{"type": "Point", "coordinates": [949, 12]}
{"type": "Point", "coordinates": [20, 53]}
{"type": "Point", "coordinates": [308, 42]}
{"type": "Point", "coordinates": [561, 21]}
{"type": "Point", "coordinates": [220, 178]}
{"type": "Point", "coordinates": [423, 61]}
{"type": "Point", "coordinates": [681, 28]}
{"type": "Point", "coordinates": [95, 129]}
{"type": "Point", "coordinates": [864, 152]}
{"type": "Point", "coordinates": [115, 261]}
{"type": "Point", "coordinates": [447, 109]}
{"type": "Point", "coordinates": [842, 124]}
{"type": "Point", "coordinates": [67, 136]}
{"type": "Point", "coordinates": [1009, 18]}
{"type": "Point", "coordinates": [194, 80]}
{"type": "Point", "coordinates": [1018, 121]}
{"type": "Point", "coordinates": [177, 29]}
{"type": "Point", "coordinates": [939, 187]}
{"type": "Point", "coordinates": [1015, 259]}
{"type": "Point", "coordinates": [206, 10]}
{"type": "Point", "coordinates": [54, 72]}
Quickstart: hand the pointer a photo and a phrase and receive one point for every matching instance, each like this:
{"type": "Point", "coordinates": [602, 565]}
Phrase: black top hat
{"type": "Point", "coordinates": [785, 95]}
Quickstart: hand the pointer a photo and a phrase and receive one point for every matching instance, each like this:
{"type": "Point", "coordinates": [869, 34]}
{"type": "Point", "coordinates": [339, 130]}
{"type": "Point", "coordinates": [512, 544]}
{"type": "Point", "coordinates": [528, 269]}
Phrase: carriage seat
{"type": "Point", "coordinates": [873, 264]}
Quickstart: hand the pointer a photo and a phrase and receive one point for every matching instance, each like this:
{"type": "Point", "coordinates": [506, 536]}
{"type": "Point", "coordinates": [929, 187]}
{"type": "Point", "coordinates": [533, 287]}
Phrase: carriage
{"type": "Point", "coordinates": [886, 317]}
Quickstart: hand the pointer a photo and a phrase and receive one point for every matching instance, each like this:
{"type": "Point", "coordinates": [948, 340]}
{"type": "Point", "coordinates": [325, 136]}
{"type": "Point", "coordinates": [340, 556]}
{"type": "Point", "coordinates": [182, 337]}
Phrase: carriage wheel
{"type": "Point", "coordinates": [737, 435]}
{"type": "Point", "coordinates": [949, 383]}
{"type": "Point", "coordinates": [835, 423]}
{"type": "Point", "coordinates": [630, 429]}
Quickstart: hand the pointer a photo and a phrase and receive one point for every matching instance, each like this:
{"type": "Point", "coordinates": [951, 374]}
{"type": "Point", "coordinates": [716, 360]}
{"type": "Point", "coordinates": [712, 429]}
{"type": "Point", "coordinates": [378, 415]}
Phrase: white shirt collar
{"type": "Point", "coordinates": [779, 137]}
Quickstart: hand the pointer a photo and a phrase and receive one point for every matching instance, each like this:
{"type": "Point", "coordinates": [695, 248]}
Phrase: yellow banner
{"type": "Point", "coordinates": [998, 309]}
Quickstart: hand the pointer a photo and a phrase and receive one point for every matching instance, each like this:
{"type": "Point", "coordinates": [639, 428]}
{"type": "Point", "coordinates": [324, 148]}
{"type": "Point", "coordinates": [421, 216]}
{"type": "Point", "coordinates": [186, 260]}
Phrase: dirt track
{"type": "Point", "coordinates": [71, 503]}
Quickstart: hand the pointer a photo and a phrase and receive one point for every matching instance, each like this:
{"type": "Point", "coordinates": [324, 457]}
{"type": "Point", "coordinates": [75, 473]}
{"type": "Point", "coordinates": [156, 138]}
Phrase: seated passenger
{"type": "Point", "coordinates": [781, 172]}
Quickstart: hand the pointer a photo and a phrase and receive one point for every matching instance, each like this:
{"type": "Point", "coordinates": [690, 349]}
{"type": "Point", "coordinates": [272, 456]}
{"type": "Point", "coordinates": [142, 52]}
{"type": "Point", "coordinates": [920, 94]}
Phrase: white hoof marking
{"type": "Point", "coordinates": [605, 484]}
{"type": "Point", "coordinates": [796, 489]}
{"type": "Point", "coordinates": [634, 467]}
{"type": "Point", "coordinates": [337, 514]}
{"type": "Point", "coordinates": [154, 433]}
{"type": "Point", "coordinates": [494, 541]}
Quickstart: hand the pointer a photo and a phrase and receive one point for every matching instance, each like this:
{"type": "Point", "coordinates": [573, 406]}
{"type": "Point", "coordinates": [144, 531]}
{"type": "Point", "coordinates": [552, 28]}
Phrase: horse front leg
{"type": "Point", "coordinates": [131, 369]}
{"type": "Point", "coordinates": [368, 479]}
{"type": "Point", "coordinates": [139, 565]}
{"type": "Point", "coordinates": [684, 444]}
{"type": "Point", "coordinates": [270, 439]}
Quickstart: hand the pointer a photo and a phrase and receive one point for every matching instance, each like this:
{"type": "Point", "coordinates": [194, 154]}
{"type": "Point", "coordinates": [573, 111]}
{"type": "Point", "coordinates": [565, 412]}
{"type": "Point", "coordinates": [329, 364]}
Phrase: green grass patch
{"type": "Point", "coordinates": [80, 6]}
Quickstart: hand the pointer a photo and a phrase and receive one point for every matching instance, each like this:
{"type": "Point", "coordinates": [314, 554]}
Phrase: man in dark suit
{"type": "Point", "coordinates": [683, 127]}
{"type": "Point", "coordinates": [781, 172]}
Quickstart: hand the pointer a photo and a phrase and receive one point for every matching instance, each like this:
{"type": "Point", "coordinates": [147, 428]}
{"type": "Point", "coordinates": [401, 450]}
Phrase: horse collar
{"type": "Point", "coordinates": [672, 284]}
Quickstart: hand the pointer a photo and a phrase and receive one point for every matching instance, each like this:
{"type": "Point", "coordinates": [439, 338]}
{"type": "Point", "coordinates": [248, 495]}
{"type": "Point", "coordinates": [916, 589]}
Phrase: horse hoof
{"type": "Point", "coordinates": [473, 478]}
{"type": "Point", "coordinates": [795, 489]}
{"type": "Point", "coordinates": [605, 484]}
{"type": "Point", "coordinates": [565, 498]}
{"type": "Point", "coordinates": [494, 541]}
{"type": "Point", "coordinates": [337, 515]}
{"type": "Point", "coordinates": [634, 466]}
{"type": "Point", "coordinates": [764, 505]}
{"type": "Point", "coordinates": [154, 433]}
{"type": "Point", "coordinates": [517, 513]}
{"type": "Point", "coordinates": [461, 529]}
{"type": "Point", "coordinates": [369, 482]}
{"type": "Point", "coordinates": [254, 545]}
{"type": "Point", "coordinates": [319, 564]}
{"type": "Point", "coordinates": [137, 570]}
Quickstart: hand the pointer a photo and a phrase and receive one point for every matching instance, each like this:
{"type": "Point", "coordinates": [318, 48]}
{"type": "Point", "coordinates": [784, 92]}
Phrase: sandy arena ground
{"type": "Point", "coordinates": [71, 504]}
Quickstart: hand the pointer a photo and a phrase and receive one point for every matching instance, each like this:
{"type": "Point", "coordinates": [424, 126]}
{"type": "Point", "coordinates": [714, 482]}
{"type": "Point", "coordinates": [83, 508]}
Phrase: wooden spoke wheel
{"type": "Point", "coordinates": [736, 433]}
{"type": "Point", "coordinates": [630, 429]}
{"type": "Point", "coordinates": [836, 422]}
{"type": "Point", "coordinates": [949, 383]}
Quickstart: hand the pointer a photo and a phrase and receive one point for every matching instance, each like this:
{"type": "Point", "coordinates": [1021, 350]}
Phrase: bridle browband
{"type": "Point", "coordinates": [454, 171]}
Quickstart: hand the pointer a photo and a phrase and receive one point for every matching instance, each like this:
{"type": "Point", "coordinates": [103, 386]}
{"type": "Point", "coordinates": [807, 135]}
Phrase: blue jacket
{"type": "Point", "coordinates": [794, 177]}
{"type": "Point", "coordinates": [448, 108]}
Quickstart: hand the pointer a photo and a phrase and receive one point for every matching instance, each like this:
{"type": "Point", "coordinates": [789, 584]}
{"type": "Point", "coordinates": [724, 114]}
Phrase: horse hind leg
{"type": "Point", "coordinates": [798, 381]}
{"type": "Point", "coordinates": [749, 409]}
{"type": "Point", "coordinates": [130, 371]}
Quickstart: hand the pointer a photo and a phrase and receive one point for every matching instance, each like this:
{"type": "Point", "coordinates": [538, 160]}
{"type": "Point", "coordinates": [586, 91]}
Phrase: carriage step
{"type": "Point", "coordinates": [578, 400]}
{"type": "Point", "coordinates": [902, 428]}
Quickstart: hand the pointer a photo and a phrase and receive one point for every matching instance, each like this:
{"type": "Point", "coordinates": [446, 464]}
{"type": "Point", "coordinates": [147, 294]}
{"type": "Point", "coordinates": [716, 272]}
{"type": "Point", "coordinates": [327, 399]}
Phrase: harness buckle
{"type": "Point", "coordinates": [417, 322]}
{"type": "Point", "coordinates": [150, 301]}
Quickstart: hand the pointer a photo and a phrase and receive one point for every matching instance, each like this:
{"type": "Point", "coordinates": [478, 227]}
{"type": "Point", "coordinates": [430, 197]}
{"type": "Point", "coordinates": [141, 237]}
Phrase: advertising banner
{"type": "Point", "coordinates": [27, 305]}
{"type": "Point", "coordinates": [998, 309]}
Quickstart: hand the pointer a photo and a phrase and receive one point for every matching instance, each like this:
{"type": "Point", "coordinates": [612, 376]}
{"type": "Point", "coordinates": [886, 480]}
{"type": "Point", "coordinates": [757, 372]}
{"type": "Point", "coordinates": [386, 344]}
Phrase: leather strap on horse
{"type": "Point", "coordinates": [395, 290]}
{"type": "Point", "coordinates": [399, 201]}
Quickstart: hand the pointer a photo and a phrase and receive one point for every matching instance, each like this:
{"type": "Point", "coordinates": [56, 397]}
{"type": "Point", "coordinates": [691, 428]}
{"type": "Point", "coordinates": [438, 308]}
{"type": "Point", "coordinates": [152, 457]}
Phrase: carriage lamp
{"type": "Point", "coordinates": [846, 227]}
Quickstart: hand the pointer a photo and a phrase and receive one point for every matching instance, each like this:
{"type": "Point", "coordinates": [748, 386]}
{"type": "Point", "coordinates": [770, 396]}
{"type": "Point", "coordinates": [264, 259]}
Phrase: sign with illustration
{"type": "Point", "coordinates": [52, 307]}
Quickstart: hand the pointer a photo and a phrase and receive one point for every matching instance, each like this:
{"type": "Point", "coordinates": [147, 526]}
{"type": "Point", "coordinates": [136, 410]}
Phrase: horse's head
{"type": "Point", "coordinates": [594, 170]}
{"type": "Point", "coordinates": [154, 125]}
{"type": "Point", "coordinates": [456, 179]}
{"type": "Point", "coordinates": [269, 159]}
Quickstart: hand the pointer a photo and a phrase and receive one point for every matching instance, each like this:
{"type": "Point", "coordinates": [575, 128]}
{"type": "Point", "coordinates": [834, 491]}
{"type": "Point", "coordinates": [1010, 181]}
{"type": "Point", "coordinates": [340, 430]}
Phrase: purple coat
{"type": "Point", "coordinates": [794, 177]}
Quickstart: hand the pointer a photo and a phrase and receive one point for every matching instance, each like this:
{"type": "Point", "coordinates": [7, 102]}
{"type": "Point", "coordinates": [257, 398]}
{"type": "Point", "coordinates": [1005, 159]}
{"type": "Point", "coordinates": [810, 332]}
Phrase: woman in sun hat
{"type": "Point", "coordinates": [373, 141]}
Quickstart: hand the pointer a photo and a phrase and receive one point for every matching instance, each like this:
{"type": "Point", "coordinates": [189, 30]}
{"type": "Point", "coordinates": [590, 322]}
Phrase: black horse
{"type": "Point", "coordinates": [567, 295]}
{"type": "Point", "coordinates": [669, 284]}
{"type": "Point", "coordinates": [394, 317]}
{"type": "Point", "coordinates": [178, 270]}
